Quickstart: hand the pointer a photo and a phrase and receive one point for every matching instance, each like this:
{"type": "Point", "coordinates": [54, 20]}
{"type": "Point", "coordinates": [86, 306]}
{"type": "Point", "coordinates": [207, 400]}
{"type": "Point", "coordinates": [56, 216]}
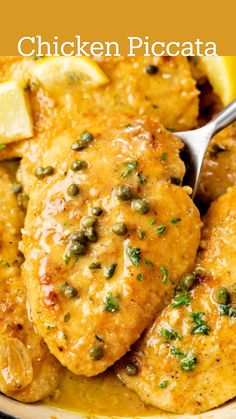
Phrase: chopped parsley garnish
{"type": "Point", "coordinates": [5, 263]}
{"type": "Point", "coordinates": [95, 265]}
{"type": "Point", "coordinates": [148, 263]}
{"type": "Point", "coordinates": [168, 334]}
{"type": "Point", "coordinates": [67, 259]}
{"type": "Point", "coordinates": [163, 156]}
{"type": "Point", "coordinates": [175, 220]}
{"type": "Point", "coordinates": [110, 270]}
{"type": "Point", "coordinates": [177, 352]}
{"type": "Point", "coordinates": [140, 277]}
{"type": "Point", "coordinates": [2, 146]}
{"type": "Point", "coordinates": [165, 274]}
{"type": "Point", "coordinates": [226, 310]}
{"type": "Point", "coordinates": [201, 327]}
{"type": "Point", "coordinates": [130, 167]}
{"type": "Point", "coordinates": [161, 229]}
{"type": "Point", "coordinates": [134, 254]}
{"type": "Point", "coordinates": [164, 384]}
{"type": "Point", "coordinates": [142, 234]}
{"type": "Point", "coordinates": [141, 178]}
{"type": "Point", "coordinates": [188, 363]}
{"type": "Point", "coordinates": [152, 222]}
{"type": "Point", "coordinates": [111, 304]}
{"type": "Point", "coordinates": [170, 129]}
{"type": "Point", "coordinates": [232, 312]}
{"type": "Point", "coordinates": [181, 300]}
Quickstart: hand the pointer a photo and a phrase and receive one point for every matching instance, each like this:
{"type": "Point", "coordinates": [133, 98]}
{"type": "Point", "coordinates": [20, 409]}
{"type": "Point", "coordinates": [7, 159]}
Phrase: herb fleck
{"type": "Point", "coordinates": [134, 254]}
{"type": "Point", "coordinates": [177, 352]}
{"type": "Point", "coordinates": [201, 327]}
{"type": "Point", "coordinates": [175, 220]}
{"type": "Point", "coordinates": [95, 265]}
{"type": "Point", "coordinates": [161, 230]}
{"type": "Point", "coordinates": [165, 274]}
{"type": "Point", "coordinates": [140, 277]}
{"type": "Point", "coordinates": [164, 384]}
{"type": "Point", "coordinates": [188, 363]}
{"type": "Point", "coordinates": [5, 263]}
{"type": "Point", "coordinates": [181, 300]}
{"type": "Point", "coordinates": [168, 334]}
{"type": "Point", "coordinates": [163, 156]}
{"type": "Point", "coordinates": [130, 167]}
{"type": "Point", "coordinates": [110, 270]}
{"type": "Point", "coordinates": [148, 263]}
{"type": "Point", "coordinates": [142, 234]}
{"type": "Point", "coordinates": [141, 178]}
{"type": "Point", "coordinates": [111, 304]}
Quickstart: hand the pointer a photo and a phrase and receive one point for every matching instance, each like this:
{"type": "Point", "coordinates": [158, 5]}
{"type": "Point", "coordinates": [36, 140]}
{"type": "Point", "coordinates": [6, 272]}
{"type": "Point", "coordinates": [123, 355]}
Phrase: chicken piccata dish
{"type": "Point", "coordinates": [117, 291]}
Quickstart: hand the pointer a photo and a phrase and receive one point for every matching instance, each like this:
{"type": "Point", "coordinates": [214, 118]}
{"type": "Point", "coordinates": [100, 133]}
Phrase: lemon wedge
{"type": "Point", "coordinates": [63, 74]}
{"type": "Point", "coordinates": [221, 72]}
{"type": "Point", "coordinates": [15, 113]}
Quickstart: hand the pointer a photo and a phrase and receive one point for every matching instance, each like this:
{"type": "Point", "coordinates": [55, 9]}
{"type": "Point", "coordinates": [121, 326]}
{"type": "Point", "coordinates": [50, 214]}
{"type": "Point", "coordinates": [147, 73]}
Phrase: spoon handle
{"type": "Point", "coordinates": [224, 118]}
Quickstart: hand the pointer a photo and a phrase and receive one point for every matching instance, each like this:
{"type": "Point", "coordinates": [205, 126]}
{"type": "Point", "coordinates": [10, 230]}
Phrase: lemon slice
{"type": "Point", "coordinates": [221, 72]}
{"type": "Point", "coordinates": [15, 114]}
{"type": "Point", "coordinates": [63, 74]}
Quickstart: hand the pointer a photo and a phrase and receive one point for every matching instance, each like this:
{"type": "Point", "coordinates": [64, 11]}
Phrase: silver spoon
{"type": "Point", "coordinates": [196, 143]}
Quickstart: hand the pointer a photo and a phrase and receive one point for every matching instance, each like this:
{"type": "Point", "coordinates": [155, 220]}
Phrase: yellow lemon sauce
{"type": "Point", "coordinates": [103, 395]}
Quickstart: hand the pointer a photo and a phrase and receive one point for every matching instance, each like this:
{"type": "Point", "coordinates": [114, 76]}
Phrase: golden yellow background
{"type": "Point", "coordinates": [107, 20]}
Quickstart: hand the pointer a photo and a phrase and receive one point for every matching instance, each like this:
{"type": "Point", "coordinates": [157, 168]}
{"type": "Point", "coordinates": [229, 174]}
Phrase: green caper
{"type": "Point", "coordinates": [16, 188]}
{"type": "Point", "coordinates": [120, 229]}
{"type": "Point", "coordinates": [39, 172]}
{"type": "Point", "coordinates": [91, 234]}
{"type": "Point", "coordinates": [48, 171]}
{"type": "Point", "coordinates": [97, 211]}
{"type": "Point", "coordinates": [131, 369]}
{"type": "Point", "coordinates": [124, 192]}
{"type": "Point", "coordinates": [85, 138]}
{"type": "Point", "coordinates": [232, 294]}
{"type": "Point", "coordinates": [67, 317]}
{"type": "Point", "coordinates": [140, 205]}
{"type": "Point", "coordinates": [78, 237]}
{"type": "Point", "coordinates": [78, 165]}
{"type": "Point", "coordinates": [96, 353]}
{"type": "Point", "coordinates": [220, 295]}
{"type": "Point", "coordinates": [78, 249]}
{"type": "Point", "coordinates": [186, 283]}
{"type": "Point", "coordinates": [151, 69]}
{"type": "Point", "coordinates": [88, 222]}
{"type": "Point", "coordinates": [73, 190]}
{"type": "Point", "coordinates": [69, 290]}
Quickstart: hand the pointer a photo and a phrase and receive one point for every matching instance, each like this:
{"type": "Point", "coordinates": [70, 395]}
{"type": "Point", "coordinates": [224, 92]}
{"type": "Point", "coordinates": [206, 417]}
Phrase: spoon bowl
{"type": "Point", "coordinates": [197, 141]}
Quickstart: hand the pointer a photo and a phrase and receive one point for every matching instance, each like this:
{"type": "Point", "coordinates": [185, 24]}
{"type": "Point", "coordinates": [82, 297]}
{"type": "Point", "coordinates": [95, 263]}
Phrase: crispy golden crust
{"type": "Point", "coordinates": [53, 215]}
{"type": "Point", "coordinates": [212, 380]}
{"type": "Point", "coordinates": [30, 371]}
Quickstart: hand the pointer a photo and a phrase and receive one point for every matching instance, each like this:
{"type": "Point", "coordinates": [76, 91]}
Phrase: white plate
{"type": "Point", "coordinates": [37, 411]}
